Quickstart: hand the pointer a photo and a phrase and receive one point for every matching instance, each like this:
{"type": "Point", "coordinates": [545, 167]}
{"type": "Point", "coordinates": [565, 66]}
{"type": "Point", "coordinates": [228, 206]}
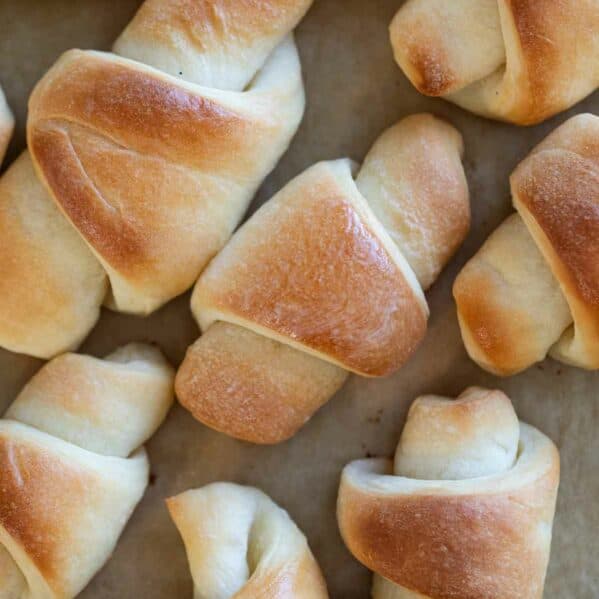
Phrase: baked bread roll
{"type": "Point", "coordinates": [514, 61]}
{"type": "Point", "coordinates": [533, 287]}
{"type": "Point", "coordinates": [7, 124]}
{"type": "Point", "coordinates": [142, 162]}
{"type": "Point", "coordinates": [72, 466]}
{"type": "Point", "coordinates": [326, 278]}
{"type": "Point", "coordinates": [240, 544]}
{"type": "Point", "coordinates": [465, 510]}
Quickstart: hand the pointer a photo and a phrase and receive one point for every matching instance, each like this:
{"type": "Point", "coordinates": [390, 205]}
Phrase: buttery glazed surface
{"type": "Point", "coordinates": [325, 280]}
{"type": "Point", "coordinates": [184, 156]}
{"type": "Point", "coordinates": [333, 267]}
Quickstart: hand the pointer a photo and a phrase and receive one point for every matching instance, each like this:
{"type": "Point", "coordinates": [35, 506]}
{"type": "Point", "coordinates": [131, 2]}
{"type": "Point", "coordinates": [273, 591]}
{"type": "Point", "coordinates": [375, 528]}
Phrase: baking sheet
{"type": "Point", "coordinates": [354, 91]}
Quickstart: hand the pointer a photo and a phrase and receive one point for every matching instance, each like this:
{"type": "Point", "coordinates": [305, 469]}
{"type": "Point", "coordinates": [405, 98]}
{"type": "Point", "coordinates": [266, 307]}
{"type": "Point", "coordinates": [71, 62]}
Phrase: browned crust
{"type": "Point", "coordinates": [551, 50]}
{"type": "Point", "coordinates": [442, 47]}
{"type": "Point", "coordinates": [558, 46]}
{"type": "Point", "coordinates": [253, 388]}
{"type": "Point", "coordinates": [560, 190]}
{"type": "Point", "coordinates": [459, 421]}
{"type": "Point", "coordinates": [132, 156]}
{"type": "Point", "coordinates": [137, 108]}
{"type": "Point", "coordinates": [428, 68]}
{"type": "Point", "coordinates": [556, 191]}
{"type": "Point", "coordinates": [466, 546]}
{"type": "Point", "coordinates": [540, 57]}
{"type": "Point", "coordinates": [562, 194]}
{"type": "Point", "coordinates": [558, 187]}
{"type": "Point", "coordinates": [119, 243]}
{"type": "Point", "coordinates": [420, 53]}
{"type": "Point", "coordinates": [134, 109]}
{"type": "Point", "coordinates": [310, 269]}
{"type": "Point", "coordinates": [498, 331]}
{"type": "Point", "coordinates": [32, 510]}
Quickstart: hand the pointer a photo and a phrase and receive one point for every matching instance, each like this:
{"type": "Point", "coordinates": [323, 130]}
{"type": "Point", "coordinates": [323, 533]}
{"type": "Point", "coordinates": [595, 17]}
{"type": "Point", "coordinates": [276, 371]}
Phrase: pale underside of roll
{"type": "Point", "coordinates": [73, 467]}
{"type": "Point", "coordinates": [142, 162]}
{"type": "Point", "coordinates": [7, 124]}
{"type": "Point", "coordinates": [465, 510]}
{"type": "Point", "coordinates": [241, 545]}
{"type": "Point", "coordinates": [533, 288]}
{"type": "Point", "coordinates": [516, 61]}
{"type": "Point", "coordinates": [326, 278]}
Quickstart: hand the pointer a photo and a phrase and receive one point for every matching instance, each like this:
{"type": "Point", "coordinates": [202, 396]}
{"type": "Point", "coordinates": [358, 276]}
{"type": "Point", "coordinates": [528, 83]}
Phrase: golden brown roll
{"type": "Point", "coordinates": [466, 509]}
{"type": "Point", "coordinates": [533, 287]}
{"type": "Point", "coordinates": [7, 124]}
{"type": "Point", "coordinates": [241, 545]}
{"type": "Point", "coordinates": [327, 277]}
{"type": "Point", "coordinates": [73, 467]}
{"type": "Point", "coordinates": [515, 60]}
{"type": "Point", "coordinates": [142, 162]}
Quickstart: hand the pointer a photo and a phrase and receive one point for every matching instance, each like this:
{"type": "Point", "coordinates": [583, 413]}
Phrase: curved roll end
{"type": "Point", "coordinates": [71, 467]}
{"type": "Point", "coordinates": [7, 124]}
{"type": "Point", "coordinates": [536, 274]}
{"type": "Point", "coordinates": [477, 536]}
{"type": "Point", "coordinates": [186, 154]}
{"type": "Point", "coordinates": [521, 62]}
{"type": "Point", "coordinates": [109, 406]}
{"type": "Point", "coordinates": [51, 284]}
{"type": "Point", "coordinates": [505, 327]}
{"type": "Point", "coordinates": [277, 388]}
{"type": "Point", "coordinates": [215, 45]}
{"type": "Point", "coordinates": [62, 509]}
{"type": "Point", "coordinates": [414, 181]}
{"type": "Point", "coordinates": [556, 192]}
{"type": "Point", "coordinates": [239, 543]}
{"type": "Point", "coordinates": [510, 307]}
{"type": "Point", "coordinates": [443, 439]}
{"type": "Point", "coordinates": [442, 52]}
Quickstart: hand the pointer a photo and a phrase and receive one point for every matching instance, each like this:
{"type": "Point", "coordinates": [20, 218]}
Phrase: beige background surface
{"type": "Point", "coordinates": [354, 91]}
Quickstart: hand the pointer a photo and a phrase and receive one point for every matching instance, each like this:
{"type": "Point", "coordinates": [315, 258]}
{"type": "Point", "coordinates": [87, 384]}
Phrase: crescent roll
{"type": "Point", "coordinates": [465, 509]}
{"type": "Point", "coordinates": [520, 61]}
{"type": "Point", "coordinates": [7, 124]}
{"type": "Point", "coordinates": [72, 466]}
{"type": "Point", "coordinates": [141, 163]}
{"type": "Point", "coordinates": [241, 545]}
{"type": "Point", "coordinates": [327, 278]}
{"type": "Point", "coordinates": [533, 287]}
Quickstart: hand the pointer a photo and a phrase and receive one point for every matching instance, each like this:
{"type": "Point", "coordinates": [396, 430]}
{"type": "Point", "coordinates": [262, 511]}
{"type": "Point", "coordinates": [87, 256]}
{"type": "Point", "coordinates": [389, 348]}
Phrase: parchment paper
{"type": "Point", "coordinates": [354, 91]}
